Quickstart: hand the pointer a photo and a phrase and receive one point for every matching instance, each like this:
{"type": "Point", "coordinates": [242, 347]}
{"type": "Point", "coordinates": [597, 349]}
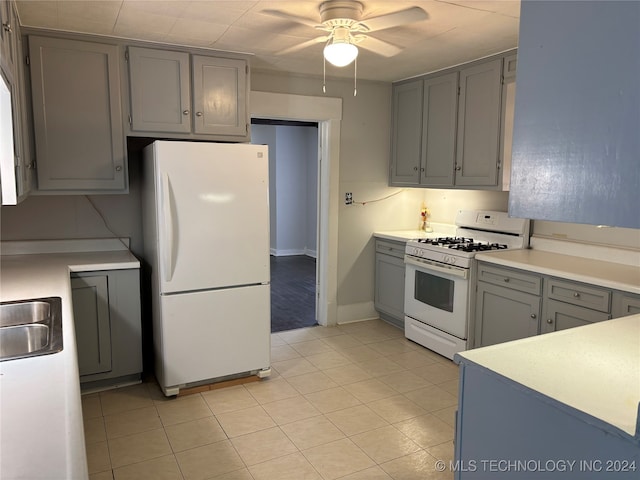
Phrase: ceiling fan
{"type": "Point", "coordinates": [345, 27]}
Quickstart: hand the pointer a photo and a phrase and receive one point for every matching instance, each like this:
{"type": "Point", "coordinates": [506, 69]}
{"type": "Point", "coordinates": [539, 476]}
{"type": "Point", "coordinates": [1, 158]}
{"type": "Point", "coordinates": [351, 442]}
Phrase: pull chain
{"type": "Point", "coordinates": [355, 74]}
{"type": "Point", "coordinates": [324, 75]}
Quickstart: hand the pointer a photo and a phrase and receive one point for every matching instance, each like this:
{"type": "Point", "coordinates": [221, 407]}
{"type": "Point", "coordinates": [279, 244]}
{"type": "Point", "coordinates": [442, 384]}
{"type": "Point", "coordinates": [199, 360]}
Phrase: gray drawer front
{"type": "Point", "coordinates": [387, 247]}
{"type": "Point", "coordinates": [506, 277]}
{"type": "Point", "coordinates": [578, 294]}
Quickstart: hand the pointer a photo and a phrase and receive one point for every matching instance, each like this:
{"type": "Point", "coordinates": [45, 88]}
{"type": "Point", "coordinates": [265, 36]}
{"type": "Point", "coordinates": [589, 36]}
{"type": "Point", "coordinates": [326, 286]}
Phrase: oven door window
{"type": "Point", "coordinates": [434, 290]}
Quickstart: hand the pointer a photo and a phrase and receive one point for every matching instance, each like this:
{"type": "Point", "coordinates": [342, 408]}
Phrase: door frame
{"type": "Point", "coordinates": [327, 111]}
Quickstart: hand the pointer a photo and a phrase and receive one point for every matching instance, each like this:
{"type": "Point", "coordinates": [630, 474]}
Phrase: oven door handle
{"type": "Point", "coordinates": [429, 265]}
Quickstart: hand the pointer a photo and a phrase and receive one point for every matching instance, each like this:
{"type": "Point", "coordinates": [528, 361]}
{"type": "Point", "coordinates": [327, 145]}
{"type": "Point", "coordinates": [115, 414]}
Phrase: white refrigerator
{"type": "Point", "coordinates": [206, 240]}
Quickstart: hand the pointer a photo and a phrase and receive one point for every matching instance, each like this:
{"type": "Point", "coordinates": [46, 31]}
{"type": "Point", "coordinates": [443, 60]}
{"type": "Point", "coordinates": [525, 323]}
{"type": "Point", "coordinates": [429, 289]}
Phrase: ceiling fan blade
{"type": "Point", "coordinates": [294, 18]}
{"type": "Point", "coordinates": [303, 45]}
{"type": "Point", "coordinates": [378, 46]}
{"type": "Point", "coordinates": [410, 15]}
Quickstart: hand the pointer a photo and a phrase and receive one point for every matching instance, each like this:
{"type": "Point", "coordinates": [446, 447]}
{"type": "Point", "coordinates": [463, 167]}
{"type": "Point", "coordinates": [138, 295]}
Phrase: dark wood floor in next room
{"type": "Point", "coordinates": [293, 290]}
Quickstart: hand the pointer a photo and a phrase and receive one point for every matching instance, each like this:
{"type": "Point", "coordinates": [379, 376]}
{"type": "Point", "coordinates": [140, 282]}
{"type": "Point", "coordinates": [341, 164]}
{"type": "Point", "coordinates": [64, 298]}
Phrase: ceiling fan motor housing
{"type": "Point", "coordinates": [340, 13]}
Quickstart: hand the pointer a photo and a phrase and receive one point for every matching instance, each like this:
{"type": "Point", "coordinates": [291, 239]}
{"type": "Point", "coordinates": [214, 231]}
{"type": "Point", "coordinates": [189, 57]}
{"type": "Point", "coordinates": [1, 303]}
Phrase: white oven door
{"type": "Point", "coordinates": [437, 295]}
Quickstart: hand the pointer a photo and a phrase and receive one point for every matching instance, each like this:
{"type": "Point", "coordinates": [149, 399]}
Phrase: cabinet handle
{"type": "Point", "coordinates": [458, 168]}
{"type": "Point", "coordinates": [118, 168]}
{"type": "Point", "coordinates": [533, 315]}
{"type": "Point", "coordinates": [7, 27]}
{"type": "Point", "coordinates": [185, 112]}
{"type": "Point", "coordinates": [549, 321]}
{"type": "Point", "coordinates": [576, 294]}
{"type": "Point", "coordinates": [415, 169]}
{"type": "Point", "coordinates": [198, 114]}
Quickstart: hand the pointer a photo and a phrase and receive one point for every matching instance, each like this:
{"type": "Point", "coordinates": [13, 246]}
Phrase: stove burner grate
{"type": "Point", "coordinates": [478, 247]}
{"type": "Point", "coordinates": [446, 241]}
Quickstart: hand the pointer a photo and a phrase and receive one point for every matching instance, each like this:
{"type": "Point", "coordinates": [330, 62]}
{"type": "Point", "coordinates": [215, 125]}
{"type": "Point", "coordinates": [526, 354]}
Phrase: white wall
{"type": "Point", "coordinates": [293, 167]}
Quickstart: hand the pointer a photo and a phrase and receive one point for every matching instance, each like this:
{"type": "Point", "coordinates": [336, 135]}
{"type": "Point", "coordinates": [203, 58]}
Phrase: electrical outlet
{"type": "Point", "coordinates": [348, 198]}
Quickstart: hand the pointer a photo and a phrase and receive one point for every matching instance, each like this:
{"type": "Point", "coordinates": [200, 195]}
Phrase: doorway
{"type": "Point", "coordinates": [293, 202]}
{"type": "Point", "coordinates": [327, 111]}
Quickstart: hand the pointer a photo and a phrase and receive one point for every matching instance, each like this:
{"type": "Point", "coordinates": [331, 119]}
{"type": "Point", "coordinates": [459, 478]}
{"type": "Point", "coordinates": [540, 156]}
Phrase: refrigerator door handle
{"type": "Point", "coordinates": [168, 229]}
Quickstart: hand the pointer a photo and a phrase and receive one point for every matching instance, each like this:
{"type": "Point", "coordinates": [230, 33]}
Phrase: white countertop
{"type": "Point", "coordinates": [41, 429]}
{"type": "Point", "coordinates": [596, 272]}
{"type": "Point", "coordinates": [594, 369]}
{"type": "Point", "coordinates": [439, 230]}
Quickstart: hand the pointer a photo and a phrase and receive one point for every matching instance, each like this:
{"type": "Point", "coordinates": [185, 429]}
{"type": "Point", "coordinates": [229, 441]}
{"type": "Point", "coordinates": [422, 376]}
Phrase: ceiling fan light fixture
{"type": "Point", "coordinates": [340, 54]}
{"type": "Point", "coordinates": [340, 51]}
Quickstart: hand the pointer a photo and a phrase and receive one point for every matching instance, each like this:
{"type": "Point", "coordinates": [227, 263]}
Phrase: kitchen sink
{"type": "Point", "coordinates": [29, 328]}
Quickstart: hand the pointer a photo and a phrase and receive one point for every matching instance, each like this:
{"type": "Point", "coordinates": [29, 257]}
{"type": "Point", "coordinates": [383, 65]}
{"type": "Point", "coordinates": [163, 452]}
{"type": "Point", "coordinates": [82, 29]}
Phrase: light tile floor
{"type": "Point", "coordinates": [353, 402]}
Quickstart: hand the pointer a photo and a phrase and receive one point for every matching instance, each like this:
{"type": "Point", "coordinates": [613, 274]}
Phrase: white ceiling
{"type": "Point", "coordinates": [455, 32]}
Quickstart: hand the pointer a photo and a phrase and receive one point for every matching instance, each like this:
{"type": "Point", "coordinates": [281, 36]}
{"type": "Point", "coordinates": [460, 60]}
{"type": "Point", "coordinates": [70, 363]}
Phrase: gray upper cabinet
{"type": "Point", "coordinates": [424, 131]}
{"type": "Point", "coordinates": [447, 128]}
{"type": "Point", "coordinates": [439, 130]}
{"type": "Point", "coordinates": [406, 133]}
{"type": "Point", "coordinates": [17, 177]}
{"type": "Point", "coordinates": [8, 35]}
{"type": "Point", "coordinates": [507, 115]}
{"type": "Point", "coordinates": [77, 116]}
{"type": "Point", "coordinates": [179, 95]}
{"type": "Point", "coordinates": [220, 96]}
{"type": "Point", "coordinates": [160, 93]}
{"type": "Point", "coordinates": [575, 144]}
{"type": "Point", "coordinates": [479, 125]}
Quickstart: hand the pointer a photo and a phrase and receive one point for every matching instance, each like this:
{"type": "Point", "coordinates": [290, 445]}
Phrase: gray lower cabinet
{"type": "Point", "coordinates": [77, 116]}
{"type": "Point", "coordinates": [513, 304]}
{"type": "Point", "coordinates": [92, 323]}
{"type": "Point", "coordinates": [560, 316]}
{"type": "Point", "coordinates": [570, 304]}
{"type": "Point", "coordinates": [389, 284]}
{"type": "Point", "coordinates": [181, 95]}
{"type": "Point", "coordinates": [505, 314]}
{"type": "Point", "coordinates": [106, 309]}
{"type": "Point", "coordinates": [624, 304]}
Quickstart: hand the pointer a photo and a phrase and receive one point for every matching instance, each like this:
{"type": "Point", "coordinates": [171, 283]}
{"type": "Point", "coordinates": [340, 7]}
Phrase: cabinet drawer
{"type": "Point", "coordinates": [395, 249]}
{"type": "Point", "coordinates": [579, 294]}
{"type": "Point", "coordinates": [514, 279]}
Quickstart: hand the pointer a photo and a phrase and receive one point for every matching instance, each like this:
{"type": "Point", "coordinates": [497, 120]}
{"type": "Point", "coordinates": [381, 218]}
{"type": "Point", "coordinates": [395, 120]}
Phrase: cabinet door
{"type": "Point", "coordinates": [220, 96]}
{"type": "Point", "coordinates": [8, 35]}
{"type": "Point", "coordinates": [440, 108]}
{"type": "Point", "coordinates": [478, 125]}
{"type": "Point", "coordinates": [389, 294]}
{"type": "Point", "coordinates": [506, 125]}
{"type": "Point", "coordinates": [625, 304]}
{"type": "Point", "coordinates": [92, 323]}
{"type": "Point", "coordinates": [503, 314]}
{"type": "Point", "coordinates": [77, 115]}
{"type": "Point", "coordinates": [406, 134]}
{"type": "Point", "coordinates": [560, 316]}
{"type": "Point", "coordinates": [24, 160]}
{"type": "Point", "coordinates": [160, 90]}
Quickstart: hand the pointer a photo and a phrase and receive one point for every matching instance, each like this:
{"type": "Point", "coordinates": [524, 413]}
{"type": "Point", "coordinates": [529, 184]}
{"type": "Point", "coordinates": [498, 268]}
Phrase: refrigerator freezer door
{"type": "Point", "coordinates": [212, 215]}
{"type": "Point", "coordinates": [212, 334]}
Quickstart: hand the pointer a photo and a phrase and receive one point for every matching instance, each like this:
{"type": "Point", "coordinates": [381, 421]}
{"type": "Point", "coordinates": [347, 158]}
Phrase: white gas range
{"type": "Point", "coordinates": [439, 301]}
